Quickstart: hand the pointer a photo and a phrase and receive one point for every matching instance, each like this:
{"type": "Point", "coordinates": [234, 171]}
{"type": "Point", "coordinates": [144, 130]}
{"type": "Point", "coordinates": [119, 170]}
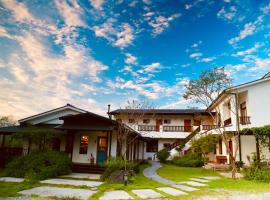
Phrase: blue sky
{"type": "Point", "coordinates": [91, 53]}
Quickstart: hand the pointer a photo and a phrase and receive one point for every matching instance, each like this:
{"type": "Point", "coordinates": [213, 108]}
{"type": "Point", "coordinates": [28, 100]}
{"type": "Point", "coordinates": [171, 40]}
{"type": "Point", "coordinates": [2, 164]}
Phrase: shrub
{"type": "Point", "coordinates": [257, 174]}
{"type": "Point", "coordinates": [163, 154]}
{"type": "Point", "coordinates": [118, 164]}
{"type": "Point", "coordinates": [188, 160]}
{"type": "Point", "coordinates": [39, 165]}
{"type": "Point", "coordinates": [239, 164]}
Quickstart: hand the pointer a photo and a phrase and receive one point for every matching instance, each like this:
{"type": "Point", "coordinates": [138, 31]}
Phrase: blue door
{"type": "Point", "coordinates": [101, 150]}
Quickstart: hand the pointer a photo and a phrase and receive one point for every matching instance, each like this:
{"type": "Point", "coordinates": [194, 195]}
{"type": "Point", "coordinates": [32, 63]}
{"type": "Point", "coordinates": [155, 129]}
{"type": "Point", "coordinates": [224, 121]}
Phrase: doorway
{"type": "Point", "coordinates": [101, 150]}
{"type": "Point", "coordinates": [158, 124]}
{"type": "Point", "coordinates": [187, 125]}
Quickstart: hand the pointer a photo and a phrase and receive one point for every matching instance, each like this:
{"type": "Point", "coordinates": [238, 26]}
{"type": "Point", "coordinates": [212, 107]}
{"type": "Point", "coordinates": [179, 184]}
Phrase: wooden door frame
{"type": "Point", "coordinates": [98, 147]}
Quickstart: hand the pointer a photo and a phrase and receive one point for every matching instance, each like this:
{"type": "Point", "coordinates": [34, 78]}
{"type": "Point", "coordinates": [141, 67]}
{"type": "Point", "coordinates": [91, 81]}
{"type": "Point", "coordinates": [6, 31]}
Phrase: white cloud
{"type": "Point", "coordinates": [195, 55]}
{"type": "Point", "coordinates": [152, 68]}
{"type": "Point", "coordinates": [208, 59]}
{"type": "Point", "coordinates": [249, 29]}
{"type": "Point", "coordinates": [97, 4]}
{"type": "Point", "coordinates": [125, 37]}
{"type": "Point", "coordinates": [160, 23]}
{"type": "Point", "coordinates": [130, 59]}
{"type": "Point", "coordinates": [71, 13]}
{"type": "Point", "coordinates": [266, 9]}
{"type": "Point", "coordinates": [4, 33]}
{"type": "Point", "coordinates": [227, 14]}
{"type": "Point", "coordinates": [120, 36]}
{"type": "Point", "coordinates": [261, 64]}
{"type": "Point", "coordinates": [248, 51]}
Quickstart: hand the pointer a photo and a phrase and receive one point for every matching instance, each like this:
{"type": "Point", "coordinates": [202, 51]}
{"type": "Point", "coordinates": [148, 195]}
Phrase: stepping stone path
{"type": "Point", "coordinates": [82, 175]}
{"type": "Point", "coordinates": [193, 183]}
{"type": "Point", "coordinates": [59, 181]}
{"type": "Point", "coordinates": [11, 179]}
{"type": "Point", "coordinates": [210, 177]}
{"type": "Point", "coordinates": [147, 194]}
{"type": "Point", "coordinates": [83, 194]}
{"type": "Point", "coordinates": [199, 180]}
{"type": "Point", "coordinates": [115, 195]}
{"type": "Point", "coordinates": [171, 191]}
{"type": "Point", "coordinates": [185, 188]}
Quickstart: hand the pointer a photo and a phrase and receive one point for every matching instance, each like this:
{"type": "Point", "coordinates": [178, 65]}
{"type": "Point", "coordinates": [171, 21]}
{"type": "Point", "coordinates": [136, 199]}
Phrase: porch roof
{"type": "Point", "coordinates": [84, 127]}
{"type": "Point", "coordinates": [7, 130]}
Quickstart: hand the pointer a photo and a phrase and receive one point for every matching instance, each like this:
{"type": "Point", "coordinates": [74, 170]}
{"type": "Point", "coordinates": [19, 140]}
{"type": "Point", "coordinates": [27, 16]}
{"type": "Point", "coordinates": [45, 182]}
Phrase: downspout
{"type": "Point", "coordinates": [238, 125]}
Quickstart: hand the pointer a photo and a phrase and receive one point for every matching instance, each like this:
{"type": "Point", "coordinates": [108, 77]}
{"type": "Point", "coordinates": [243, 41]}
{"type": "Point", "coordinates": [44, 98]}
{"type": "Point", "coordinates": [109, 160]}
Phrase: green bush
{"type": "Point", "coordinates": [118, 164]}
{"type": "Point", "coordinates": [163, 154]}
{"type": "Point", "coordinates": [39, 165]}
{"type": "Point", "coordinates": [188, 160]}
{"type": "Point", "coordinates": [257, 174]}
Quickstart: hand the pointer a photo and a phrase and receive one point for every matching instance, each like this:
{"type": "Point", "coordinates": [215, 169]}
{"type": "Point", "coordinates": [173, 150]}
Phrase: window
{"type": "Point", "coordinates": [166, 145]}
{"type": "Point", "coordinates": [243, 109]}
{"type": "Point", "coordinates": [131, 121]}
{"type": "Point", "coordinates": [119, 120]}
{"type": "Point", "coordinates": [167, 121]}
{"type": "Point", "coordinates": [220, 147]}
{"type": "Point", "coordinates": [152, 146]}
{"type": "Point", "coordinates": [146, 121]}
{"type": "Point", "coordinates": [197, 122]}
{"type": "Point", "coordinates": [84, 144]}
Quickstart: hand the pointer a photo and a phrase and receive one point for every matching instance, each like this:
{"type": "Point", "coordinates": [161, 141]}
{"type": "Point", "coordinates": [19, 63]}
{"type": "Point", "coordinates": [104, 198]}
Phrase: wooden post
{"type": "Point", "coordinates": [3, 140]}
{"type": "Point", "coordinates": [110, 145]}
{"type": "Point", "coordinates": [258, 150]}
{"type": "Point", "coordinates": [142, 150]}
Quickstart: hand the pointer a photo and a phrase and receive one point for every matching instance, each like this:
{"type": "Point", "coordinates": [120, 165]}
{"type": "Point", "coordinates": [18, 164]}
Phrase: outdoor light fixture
{"type": "Point", "coordinates": [125, 178]}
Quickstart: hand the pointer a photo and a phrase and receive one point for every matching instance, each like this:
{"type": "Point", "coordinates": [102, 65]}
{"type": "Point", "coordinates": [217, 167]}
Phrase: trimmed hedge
{"type": "Point", "coordinates": [188, 160]}
{"type": "Point", "coordinates": [118, 164]}
{"type": "Point", "coordinates": [257, 174]}
{"type": "Point", "coordinates": [39, 165]}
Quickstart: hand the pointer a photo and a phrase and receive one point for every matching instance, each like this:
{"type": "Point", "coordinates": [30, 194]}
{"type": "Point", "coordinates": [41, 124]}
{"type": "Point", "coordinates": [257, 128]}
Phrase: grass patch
{"type": "Point", "coordinates": [8, 189]}
{"type": "Point", "coordinates": [139, 181]}
{"type": "Point", "coordinates": [176, 173]}
{"type": "Point", "coordinates": [215, 187]}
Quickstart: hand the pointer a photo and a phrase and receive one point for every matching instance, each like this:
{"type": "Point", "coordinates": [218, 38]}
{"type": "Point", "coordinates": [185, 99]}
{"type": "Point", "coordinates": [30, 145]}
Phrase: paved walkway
{"type": "Point", "coordinates": [151, 173]}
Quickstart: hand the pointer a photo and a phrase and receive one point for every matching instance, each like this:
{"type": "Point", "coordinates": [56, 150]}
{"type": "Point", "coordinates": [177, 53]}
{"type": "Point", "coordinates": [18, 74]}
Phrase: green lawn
{"type": "Point", "coordinates": [171, 172]}
{"type": "Point", "coordinates": [215, 187]}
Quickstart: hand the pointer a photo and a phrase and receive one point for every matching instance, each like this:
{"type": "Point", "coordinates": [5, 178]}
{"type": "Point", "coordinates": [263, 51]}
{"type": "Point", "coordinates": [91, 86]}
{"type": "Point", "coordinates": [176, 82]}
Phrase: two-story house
{"type": "Point", "coordinates": [163, 128]}
{"type": "Point", "coordinates": [243, 106]}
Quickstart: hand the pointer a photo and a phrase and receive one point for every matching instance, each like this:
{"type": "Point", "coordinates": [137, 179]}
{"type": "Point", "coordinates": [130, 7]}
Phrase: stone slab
{"type": "Point", "coordinates": [11, 179]}
{"type": "Point", "coordinates": [199, 180]}
{"type": "Point", "coordinates": [210, 177]}
{"type": "Point", "coordinates": [59, 181]}
{"type": "Point", "coordinates": [83, 176]}
{"type": "Point", "coordinates": [83, 194]}
{"type": "Point", "coordinates": [115, 195]}
{"type": "Point", "coordinates": [171, 191]}
{"type": "Point", "coordinates": [185, 188]}
{"type": "Point", "coordinates": [193, 183]}
{"type": "Point", "coordinates": [147, 194]}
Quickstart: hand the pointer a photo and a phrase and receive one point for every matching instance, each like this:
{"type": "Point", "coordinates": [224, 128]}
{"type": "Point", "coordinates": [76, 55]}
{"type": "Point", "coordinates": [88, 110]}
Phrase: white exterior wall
{"type": "Point", "coordinates": [92, 146]}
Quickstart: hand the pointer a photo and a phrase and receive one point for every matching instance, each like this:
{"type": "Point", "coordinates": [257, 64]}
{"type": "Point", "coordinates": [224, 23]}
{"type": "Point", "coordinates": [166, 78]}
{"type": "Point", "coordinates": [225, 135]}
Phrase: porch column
{"type": "Point", "coordinates": [110, 144]}
{"type": "Point", "coordinates": [138, 149]}
{"type": "Point", "coordinates": [3, 140]}
{"type": "Point", "coordinates": [142, 150]}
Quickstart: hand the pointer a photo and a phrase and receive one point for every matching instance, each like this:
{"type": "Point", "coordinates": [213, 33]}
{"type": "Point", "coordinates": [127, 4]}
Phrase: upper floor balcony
{"type": "Point", "coordinates": [166, 128]}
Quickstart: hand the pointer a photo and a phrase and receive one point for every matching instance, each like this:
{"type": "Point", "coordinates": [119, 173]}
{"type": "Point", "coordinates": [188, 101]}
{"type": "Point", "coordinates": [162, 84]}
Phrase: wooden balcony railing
{"type": "Point", "coordinates": [177, 128]}
{"type": "Point", "coordinates": [209, 127]}
{"type": "Point", "coordinates": [227, 122]}
{"type": "Point", "coordinates": [147, 128]}
{"type": "Point", "coordinates": [244, 120]}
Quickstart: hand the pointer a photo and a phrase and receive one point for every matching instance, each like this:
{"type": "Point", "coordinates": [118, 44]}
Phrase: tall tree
{"type": "Point", "coordinates": [7, 121]}
{"type": "Point", "coordinates": [205, 90]}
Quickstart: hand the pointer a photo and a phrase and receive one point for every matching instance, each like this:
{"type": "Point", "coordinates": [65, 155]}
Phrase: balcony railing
{"type": "Point", "coordinates": [228, 122]}
{"type": "Point", "coordinates": [177, 128]}
{"type": "Point", "coordinates": [209, 127]}
{"type": "Point", "coordinates": [244, 120]}
{"type": "Point", "coordinates": [147, 128]}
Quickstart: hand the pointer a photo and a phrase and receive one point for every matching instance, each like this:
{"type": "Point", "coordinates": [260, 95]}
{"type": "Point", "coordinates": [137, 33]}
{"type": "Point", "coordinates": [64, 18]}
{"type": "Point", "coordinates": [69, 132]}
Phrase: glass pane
{"type": "Point", "coordinates": [84, 144]}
